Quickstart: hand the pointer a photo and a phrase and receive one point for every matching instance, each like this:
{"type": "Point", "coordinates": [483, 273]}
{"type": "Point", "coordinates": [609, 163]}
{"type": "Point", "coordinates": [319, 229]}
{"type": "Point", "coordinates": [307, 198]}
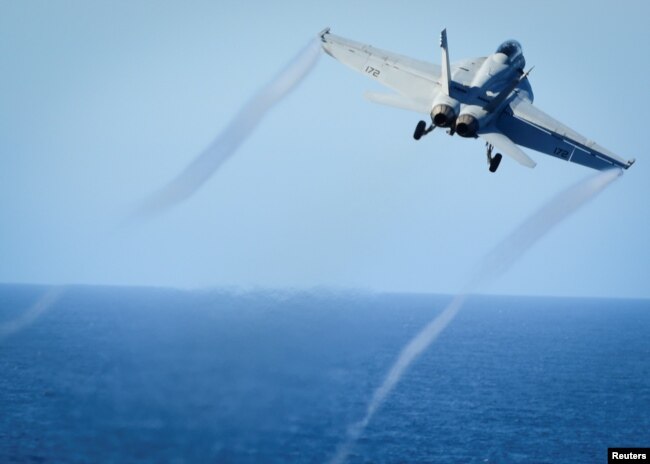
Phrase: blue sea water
{"type": "Point", "coordinates": [123, 375]}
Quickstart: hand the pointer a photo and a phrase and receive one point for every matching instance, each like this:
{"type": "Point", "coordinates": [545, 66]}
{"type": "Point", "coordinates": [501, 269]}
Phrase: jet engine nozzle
{"type": "Point", "coordinates": [443, 115]}
{"type": "Point", "coordinates": [466, 125]}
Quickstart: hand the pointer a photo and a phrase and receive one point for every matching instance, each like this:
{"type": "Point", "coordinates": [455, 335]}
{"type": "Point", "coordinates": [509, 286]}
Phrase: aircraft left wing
{"type": "Point", "coordinates": [530, 127]}
{"type": "Point", "coordinates": [417, 81]}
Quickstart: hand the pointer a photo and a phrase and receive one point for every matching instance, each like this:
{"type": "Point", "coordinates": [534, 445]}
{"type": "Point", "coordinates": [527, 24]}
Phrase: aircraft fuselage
{"type": "Point", "coordinates": [492, 83]}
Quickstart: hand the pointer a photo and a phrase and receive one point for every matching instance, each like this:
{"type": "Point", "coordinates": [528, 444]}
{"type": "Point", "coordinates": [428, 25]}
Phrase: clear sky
{"type": "Point", "coordinates": [104, 102]}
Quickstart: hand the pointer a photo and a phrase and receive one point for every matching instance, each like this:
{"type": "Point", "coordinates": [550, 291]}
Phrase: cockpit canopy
{"type": "Point", "coordinates": [512, 49]}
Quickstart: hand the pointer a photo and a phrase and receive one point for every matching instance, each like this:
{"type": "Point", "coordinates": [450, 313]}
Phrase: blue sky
{"type": "Point", "coordinates": [104, 102]}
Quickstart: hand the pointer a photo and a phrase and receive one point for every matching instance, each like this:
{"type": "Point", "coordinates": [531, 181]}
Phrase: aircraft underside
{"type": "Point", "coordinates": [488, 97]}
{"type": "Point", "coordinates": [493, 161]}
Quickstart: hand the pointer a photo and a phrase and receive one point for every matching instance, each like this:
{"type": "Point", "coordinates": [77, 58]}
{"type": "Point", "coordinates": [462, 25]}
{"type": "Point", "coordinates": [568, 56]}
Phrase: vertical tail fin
{"type": "Point", "coordinates": [445, 80]}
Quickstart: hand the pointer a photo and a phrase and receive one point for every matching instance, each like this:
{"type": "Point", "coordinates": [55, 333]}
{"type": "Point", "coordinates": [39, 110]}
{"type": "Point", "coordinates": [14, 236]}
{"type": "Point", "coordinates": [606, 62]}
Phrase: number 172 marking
{"type": "Point", "coordinates": [560, 151]}
{"type": "Point", "coordinates": [373, 71]}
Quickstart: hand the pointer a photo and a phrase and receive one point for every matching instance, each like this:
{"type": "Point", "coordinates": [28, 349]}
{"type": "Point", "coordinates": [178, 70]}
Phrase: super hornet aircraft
{"type": "Point", "coordinates": [488, 97]}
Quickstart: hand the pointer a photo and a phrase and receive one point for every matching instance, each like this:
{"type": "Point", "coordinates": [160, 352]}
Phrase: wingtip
{"type": "Point", "coordinates": [323, 33]}
{"type": "Point", "coordinates": [630, 163]}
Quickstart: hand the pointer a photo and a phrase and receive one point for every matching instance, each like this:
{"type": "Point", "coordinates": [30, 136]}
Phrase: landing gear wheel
{"type": "Point", "coordinates": [420, 130]}
{"type": "Point", "coordinates": [494, 162]}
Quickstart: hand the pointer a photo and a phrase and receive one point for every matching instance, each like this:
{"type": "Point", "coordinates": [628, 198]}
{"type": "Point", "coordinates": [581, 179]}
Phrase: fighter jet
{"type": "Point", "coordinates": [488, 97]}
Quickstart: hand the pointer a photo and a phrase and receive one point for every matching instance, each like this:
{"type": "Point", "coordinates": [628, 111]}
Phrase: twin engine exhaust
{"type": "Point", "coordinates": [444, 115]}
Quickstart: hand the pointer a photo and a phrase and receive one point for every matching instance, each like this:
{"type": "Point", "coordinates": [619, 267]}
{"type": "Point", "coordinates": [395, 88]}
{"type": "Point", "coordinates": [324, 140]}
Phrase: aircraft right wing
{"type": "Point", "coordinates": [530, 127]}
{"type": "Point", "coordinates": [417, 81]}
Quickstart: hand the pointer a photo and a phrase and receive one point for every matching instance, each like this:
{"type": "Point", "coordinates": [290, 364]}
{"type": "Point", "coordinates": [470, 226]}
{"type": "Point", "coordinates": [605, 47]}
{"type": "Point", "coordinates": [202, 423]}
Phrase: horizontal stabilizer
{"type": "Point", "coordinates": [508, 147]}
{"type": "Point", "coordinates": [398, 101]}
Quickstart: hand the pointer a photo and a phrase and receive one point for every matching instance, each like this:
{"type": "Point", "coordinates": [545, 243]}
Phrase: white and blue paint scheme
{"type": "Point", "coordinates": [488, 97]}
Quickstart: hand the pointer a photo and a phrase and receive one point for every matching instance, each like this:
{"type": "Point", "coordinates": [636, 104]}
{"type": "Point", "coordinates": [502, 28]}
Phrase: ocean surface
{"type": "Point", "coordinates": [130, 375]}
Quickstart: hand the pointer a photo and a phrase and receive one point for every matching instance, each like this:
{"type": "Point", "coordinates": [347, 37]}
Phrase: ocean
{"type": "Point", "coordinates": [132, 375]}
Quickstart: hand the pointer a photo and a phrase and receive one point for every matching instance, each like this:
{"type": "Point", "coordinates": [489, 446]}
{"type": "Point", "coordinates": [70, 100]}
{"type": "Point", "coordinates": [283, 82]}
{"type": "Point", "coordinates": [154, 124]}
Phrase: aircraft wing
{"type": "Point", "coordinates": [530, 127]}
{"type": "Point", "coordinates": [416, 81]}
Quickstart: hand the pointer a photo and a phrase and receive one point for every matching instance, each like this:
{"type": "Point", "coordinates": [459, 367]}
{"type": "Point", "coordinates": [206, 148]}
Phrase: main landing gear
{"type": "Point", "coordinates": [422, 129]}
{"type": "Point", "coordinates": [493, 161]}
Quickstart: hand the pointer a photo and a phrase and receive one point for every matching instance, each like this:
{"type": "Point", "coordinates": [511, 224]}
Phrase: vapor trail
{"type": "Point", "coordinates": [203, 166]}
{"type": "Point", "coordinates": [520, 240]}
{"type": "Point", "coordinates": [32, 314]}
{"type": "Point", "coordinates": [495, 264]}
{"type": "Point", "coordinates": [235, 133]}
